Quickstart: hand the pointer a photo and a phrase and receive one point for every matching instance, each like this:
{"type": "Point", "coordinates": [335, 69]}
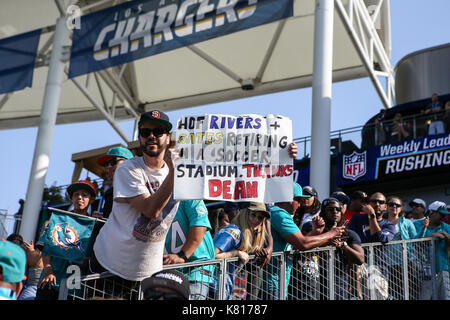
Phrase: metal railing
{"type": "Point", "coordinates": [368, 135]}
{"type": "Point", "coordinates": [399, 270]}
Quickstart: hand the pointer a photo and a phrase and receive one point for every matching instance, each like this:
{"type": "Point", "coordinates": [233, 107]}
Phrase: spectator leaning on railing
{"type": "Point", "coordinates": [371, 227]}
{"type": "Point", "coordinates": [440, 231]}
{"type": "Point", "coordinates": [436, 125]}
{"type": "Point", "coordinates": [349, 248]}
{"type": "Point", "coordinates": [285, 233]}
{"type": "Point", "coordinates": [405, 230]}
{"type": "Point", "coordinates": [247, 234]}
{"type": "Point", "coordinates": [189, 240]}
{"type": "Point", "coordinates": [131, 243]}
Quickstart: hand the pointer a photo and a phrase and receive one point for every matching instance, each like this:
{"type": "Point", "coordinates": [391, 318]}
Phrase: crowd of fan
{"type": "Point", "coordinates": [140, 219]}
{"type": "Point", "coordinates": [432, 120]}
{"type": "Point", "coordinates": [366, 219]}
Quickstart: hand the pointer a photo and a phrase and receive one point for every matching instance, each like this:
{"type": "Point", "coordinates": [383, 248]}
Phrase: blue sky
{"type": "Point", "coordinates": [415, 25]}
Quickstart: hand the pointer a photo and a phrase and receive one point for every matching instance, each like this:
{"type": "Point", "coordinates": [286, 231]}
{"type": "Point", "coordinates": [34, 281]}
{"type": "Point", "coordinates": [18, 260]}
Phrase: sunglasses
{"type": "Point", "coordinates": [393, 204]}
{"type": "Point", "coordinates": [157, 132]}
{"type": "Point", "coordinates": [112, 162]}
{"type": "Point", "coordinates": [377, 201]}
{"type": "Point", "coordinates": [332, 209]}
{"type": "Point", "coordinates": [257, 216]}
{"type": "Point", "coordinates": [157, 295]}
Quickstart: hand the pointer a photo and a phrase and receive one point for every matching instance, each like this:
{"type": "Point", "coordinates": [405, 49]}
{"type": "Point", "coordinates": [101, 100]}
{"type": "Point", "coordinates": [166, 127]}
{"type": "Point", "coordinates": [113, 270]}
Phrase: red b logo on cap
{"type": "Point", "coordinates": [155, 114]}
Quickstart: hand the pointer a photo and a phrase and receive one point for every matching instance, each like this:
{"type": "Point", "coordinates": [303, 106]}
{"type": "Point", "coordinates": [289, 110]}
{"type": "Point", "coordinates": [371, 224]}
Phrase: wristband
{"type": "Point", "coordinates": [181, 254]}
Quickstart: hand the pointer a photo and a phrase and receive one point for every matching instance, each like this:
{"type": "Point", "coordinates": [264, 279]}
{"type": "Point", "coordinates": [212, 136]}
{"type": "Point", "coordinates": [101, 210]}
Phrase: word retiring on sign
{"type": "Point", "coordinates": [229, 139]}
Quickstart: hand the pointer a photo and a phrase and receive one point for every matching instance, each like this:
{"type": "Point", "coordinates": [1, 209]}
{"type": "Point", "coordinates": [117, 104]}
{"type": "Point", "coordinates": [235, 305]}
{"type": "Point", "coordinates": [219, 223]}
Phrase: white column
{"type": "Point", "coordinates": [321, 97]}
{"type": "Point", "coordinates": [45, 133]}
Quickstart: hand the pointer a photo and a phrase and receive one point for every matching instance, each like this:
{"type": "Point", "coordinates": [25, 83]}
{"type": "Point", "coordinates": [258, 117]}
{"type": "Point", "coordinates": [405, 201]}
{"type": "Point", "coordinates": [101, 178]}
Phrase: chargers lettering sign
{"type": "Point", "coordinates": [138, 29]}
{"type": "Point", "coordinates": [402, 159]}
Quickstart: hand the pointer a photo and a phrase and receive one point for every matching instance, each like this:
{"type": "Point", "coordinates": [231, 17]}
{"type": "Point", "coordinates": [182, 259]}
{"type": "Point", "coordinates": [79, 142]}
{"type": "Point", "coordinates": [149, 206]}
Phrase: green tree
{"type": "Point", "coordinates": [53, 195]}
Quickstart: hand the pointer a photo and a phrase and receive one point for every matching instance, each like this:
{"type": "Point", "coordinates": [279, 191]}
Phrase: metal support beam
{"type": "Point", "coordinates": [358, 11]}
{"type": "Point", "coordinates": [321, 97]}
{"type": "Point", "coordinates": [44, 139]}
{"type": "Point", "coordinates": [215, 63]}
{"type": "Point", "coordinates": [269, 52]}
{"type": "Point", "coordinates": [128, 102]}
{"type": "Point", "coordinates": [97, 105]}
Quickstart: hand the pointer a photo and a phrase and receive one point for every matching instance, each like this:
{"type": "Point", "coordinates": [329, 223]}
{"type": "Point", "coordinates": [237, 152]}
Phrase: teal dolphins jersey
{"type": "Point", "coordinates": [192, 213]}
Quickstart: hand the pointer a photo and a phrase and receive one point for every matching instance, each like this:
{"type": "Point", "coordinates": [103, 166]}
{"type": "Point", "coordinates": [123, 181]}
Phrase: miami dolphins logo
{"type": "Point", "coordinates": [65, 236]}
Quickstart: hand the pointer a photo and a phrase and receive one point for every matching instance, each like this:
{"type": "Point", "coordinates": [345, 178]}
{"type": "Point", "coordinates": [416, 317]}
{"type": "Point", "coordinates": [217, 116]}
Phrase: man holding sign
{"type": "Point", "coordinates": [131, 243]}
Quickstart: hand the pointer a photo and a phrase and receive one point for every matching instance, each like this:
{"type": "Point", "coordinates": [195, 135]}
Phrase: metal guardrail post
{"type": "Point", "coordinates": [370, 267]}
{"type": "Point", "coordinates": [331, 273]}
{"type": "Point", "coordinates": [283, 283]}
{"type": "Point", "coordinates": [405, 271]}
{"type": "Point", "coordinates": [222, 279]}
{"type": "Point", "coordinates": [63, 289]}
{"type": "Point", "coordinates": [433, 269]}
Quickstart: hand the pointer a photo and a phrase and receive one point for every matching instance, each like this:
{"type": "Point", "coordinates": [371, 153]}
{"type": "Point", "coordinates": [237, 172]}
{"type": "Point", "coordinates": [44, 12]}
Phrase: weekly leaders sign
{"type": "Point", "coordinates": [234, 158]}
{"type": "Point", "coordinates": [401, 159]}
{"type": "Point", "coordinates": [138, 29]}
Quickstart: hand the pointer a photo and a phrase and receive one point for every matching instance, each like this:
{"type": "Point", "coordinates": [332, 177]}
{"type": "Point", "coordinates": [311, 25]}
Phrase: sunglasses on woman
{"type": "Point", "coordinates": [393, 204]}
{"type": "Point", "coordinates": [157, 132]}
{"type": "Point", "coordinates": [257, 216]}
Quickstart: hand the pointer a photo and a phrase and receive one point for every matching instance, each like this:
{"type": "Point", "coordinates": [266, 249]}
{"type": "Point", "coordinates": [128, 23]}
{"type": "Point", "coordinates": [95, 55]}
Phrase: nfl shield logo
{"type": "Point", "coordinates": [354, 165]}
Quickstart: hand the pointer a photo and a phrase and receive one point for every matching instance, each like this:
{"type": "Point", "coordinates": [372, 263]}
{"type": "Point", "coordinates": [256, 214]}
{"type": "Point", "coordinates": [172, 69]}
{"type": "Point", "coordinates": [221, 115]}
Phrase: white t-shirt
{"type": "Point", "coordinates": [131, 245]}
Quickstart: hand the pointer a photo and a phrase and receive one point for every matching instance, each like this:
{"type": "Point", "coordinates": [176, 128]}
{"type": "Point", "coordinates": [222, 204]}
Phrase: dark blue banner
{"type": "Point", "coordinates": [395, 160]}
{"type": "Point", "coordinates": [17, 58]}
{"type": "Point", "coordinates": [139, 29]}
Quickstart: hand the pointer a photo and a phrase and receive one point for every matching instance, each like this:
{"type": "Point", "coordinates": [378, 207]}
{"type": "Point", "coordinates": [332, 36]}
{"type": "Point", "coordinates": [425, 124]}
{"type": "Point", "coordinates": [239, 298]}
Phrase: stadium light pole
{"type": "Point", "coordinates": [44, 138]}
{"type": "Point", "coordinates": [321, 97]}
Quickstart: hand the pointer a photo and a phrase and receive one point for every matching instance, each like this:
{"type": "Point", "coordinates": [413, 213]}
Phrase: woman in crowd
{"type": "Point", "coordinates": [309, 208]}
{"type": "Point", "coordinates": [247, 234]}
{"type": "Point", "coordinates": [405, 230]}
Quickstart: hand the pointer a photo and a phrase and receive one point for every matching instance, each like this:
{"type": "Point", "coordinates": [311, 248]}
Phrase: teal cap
{"type": "Point", "coordinates": [113, 153]}
{"type": "Point", "coordinates": [12, 261]}
{"type": "Point", "coordinates": [298, 191]}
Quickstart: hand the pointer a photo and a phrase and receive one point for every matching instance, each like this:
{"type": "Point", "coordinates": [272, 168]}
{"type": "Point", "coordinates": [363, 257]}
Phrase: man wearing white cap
{"type": "Point", "coordinates": [439, 230]}
{"type": "Point", "coordinates": [418, 207]}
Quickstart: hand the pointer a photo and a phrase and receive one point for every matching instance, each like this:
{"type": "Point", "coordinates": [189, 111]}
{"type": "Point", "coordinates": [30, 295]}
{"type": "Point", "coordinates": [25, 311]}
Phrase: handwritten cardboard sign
{"type": "Point", "coordinates": [234, 158]}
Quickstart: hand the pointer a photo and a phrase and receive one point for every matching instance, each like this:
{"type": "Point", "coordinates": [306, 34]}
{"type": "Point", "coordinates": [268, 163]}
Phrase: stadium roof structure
{"type": "Point", "coordinates": [269, 58]}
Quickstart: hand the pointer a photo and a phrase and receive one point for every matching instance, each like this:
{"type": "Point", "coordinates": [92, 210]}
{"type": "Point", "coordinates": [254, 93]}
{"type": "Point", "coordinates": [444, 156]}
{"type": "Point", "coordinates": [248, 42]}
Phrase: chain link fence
{"type": "Point", "coordinates": [399, 270]}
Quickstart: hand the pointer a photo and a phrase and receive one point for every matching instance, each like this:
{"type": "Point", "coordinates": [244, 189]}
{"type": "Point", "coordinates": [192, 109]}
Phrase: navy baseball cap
{"type": "Point", "coordinates": [341, 196]}
{"type": "Point", "coordinates": [157, 116]}
{"type": "Point", "coordinates": [309, 191]}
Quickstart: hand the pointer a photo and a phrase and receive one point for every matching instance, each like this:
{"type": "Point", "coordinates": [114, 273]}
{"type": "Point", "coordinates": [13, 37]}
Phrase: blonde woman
{"type": "Point", "coordinates": [247, 234]}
